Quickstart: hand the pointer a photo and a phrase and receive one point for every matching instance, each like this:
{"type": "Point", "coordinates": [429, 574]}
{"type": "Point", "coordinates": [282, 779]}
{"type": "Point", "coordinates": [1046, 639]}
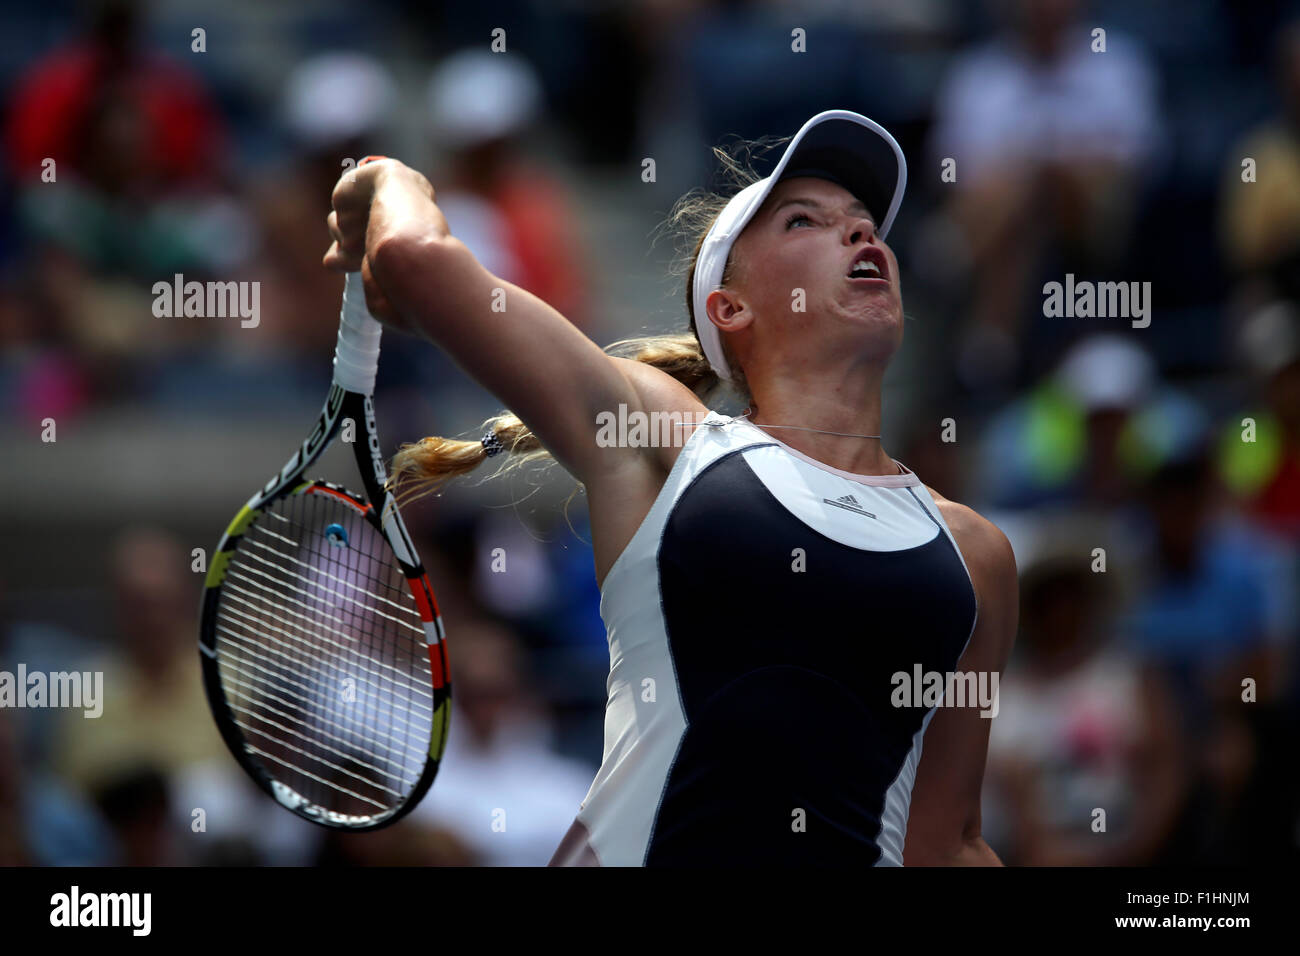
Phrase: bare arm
{"type": "Point", "coordinates": [943, 827]}
{"type": "Point", "coordinates": [421, 278]}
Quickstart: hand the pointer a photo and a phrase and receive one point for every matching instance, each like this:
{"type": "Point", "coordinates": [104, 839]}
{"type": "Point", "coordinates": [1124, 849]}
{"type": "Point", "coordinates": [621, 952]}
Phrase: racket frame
{"type": "Point", "coordinates": [381, 512]}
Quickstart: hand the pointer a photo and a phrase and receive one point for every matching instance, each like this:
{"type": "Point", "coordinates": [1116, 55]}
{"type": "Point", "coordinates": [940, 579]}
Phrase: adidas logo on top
{"type": "Point", "coordinates": [849, 503]}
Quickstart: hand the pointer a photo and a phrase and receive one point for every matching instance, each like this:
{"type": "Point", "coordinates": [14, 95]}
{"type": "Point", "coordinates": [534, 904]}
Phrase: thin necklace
{"type": "Point", "coordinates": [820, 431]}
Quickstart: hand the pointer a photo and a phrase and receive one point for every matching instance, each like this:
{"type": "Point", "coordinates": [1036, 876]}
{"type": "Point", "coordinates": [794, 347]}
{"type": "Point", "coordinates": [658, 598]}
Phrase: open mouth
{"type": "Point", "coordinates": [869, 264]}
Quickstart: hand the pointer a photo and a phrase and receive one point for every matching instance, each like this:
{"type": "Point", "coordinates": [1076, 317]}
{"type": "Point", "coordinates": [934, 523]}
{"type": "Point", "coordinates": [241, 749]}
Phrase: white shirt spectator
{"type": "Point", "coordinates": [510, 802]}
{"type": "Point", "coordinates": [999, 105]}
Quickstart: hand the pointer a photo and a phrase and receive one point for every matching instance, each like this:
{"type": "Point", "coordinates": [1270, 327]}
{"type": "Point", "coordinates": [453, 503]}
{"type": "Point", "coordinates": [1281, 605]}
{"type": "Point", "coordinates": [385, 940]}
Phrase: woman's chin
{"type": "Point", "coordinates": [882, 333]}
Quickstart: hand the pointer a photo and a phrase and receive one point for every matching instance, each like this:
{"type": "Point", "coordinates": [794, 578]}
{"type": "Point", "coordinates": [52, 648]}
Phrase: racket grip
{"type": "Point", "coordinates": [356, 358]}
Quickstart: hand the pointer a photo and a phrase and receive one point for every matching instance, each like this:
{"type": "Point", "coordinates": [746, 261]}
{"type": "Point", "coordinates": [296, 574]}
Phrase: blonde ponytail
{"type": "Point", "coordinates": [427, 465]}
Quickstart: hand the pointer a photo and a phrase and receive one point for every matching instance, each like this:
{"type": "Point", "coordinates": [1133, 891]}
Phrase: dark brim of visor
{"type": "Point", "coordinates": [852, 156]}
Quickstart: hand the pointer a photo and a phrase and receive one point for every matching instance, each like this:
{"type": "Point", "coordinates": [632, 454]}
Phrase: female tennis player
{"type": "Point", "coordinates": [771, 582]}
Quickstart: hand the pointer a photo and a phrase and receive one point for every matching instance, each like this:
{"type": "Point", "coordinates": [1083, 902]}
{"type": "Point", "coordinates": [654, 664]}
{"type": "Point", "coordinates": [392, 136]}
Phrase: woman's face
{"type": "Point", "coordinates": [799, 267]}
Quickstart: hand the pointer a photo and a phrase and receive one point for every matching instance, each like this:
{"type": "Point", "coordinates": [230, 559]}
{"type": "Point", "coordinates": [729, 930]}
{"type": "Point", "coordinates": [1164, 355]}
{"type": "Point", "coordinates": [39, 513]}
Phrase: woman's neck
{"type": "Point", "coordinates": [806, 420]}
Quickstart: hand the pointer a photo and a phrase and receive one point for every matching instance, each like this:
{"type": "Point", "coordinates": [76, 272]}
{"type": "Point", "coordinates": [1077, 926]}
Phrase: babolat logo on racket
{"type": "Point", "coordinates": [376, 455]}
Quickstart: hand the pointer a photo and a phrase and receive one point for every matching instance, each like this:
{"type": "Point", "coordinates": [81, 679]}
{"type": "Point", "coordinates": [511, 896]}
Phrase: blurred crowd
{"type": "Point", "coordinates": [1148, 477]}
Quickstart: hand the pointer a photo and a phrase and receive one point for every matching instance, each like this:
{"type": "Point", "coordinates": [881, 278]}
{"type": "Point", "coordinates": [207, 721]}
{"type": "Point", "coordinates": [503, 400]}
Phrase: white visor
{"type": "Point", "coordinates": [841, 146]}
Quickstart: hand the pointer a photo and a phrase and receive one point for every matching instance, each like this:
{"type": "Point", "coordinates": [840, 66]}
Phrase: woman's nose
{"type": "Point", "coordinates": [861, 229]}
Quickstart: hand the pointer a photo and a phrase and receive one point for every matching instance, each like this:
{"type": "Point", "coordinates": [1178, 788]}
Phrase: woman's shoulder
{"type": "Point", "coordinates": [979, 539]}
{"type": "Point", "coordinates": [657, 390]}
{"type": "Point", "coordinates": [659, 394]}
{"type": "Point", "coordinates": [991, 563]}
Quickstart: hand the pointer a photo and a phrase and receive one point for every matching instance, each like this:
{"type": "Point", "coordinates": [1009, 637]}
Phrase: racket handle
{"type": "Point", "coordinates": [356, 358]}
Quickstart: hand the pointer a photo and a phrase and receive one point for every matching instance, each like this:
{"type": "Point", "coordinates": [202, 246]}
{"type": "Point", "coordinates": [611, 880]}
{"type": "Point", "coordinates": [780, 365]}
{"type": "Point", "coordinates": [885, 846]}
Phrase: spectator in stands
{"type": "Point", "coordinates": [1215, 618]}
{"type": "Point", "coordinates": [1217, 604]}
{"type": "Point", "coordinates": [42, 822]}
{"type": "Point", "coordinates": [1049, 138]}
{"type": "Point", "coordinates": [118, 154]}
{"type": "Point", "coordinates": [138, 151]}
{"type": "Point", "coordinates": [1259, 450]}
{"type": "Point", "coordinates": [511, 211]}
{"type": "Point", "coordinates": [501, 788]}
{"type": "Point", "coordinates": [1086, 433]}
{"type": "Point", "coordinates": [155, 713]}
{"type": "Point", "coordinates": [1086, 767]}
{"type": "Point", "coordinates": [336, 109]}
{"type": "Point", "coordinates": [1261, 217]}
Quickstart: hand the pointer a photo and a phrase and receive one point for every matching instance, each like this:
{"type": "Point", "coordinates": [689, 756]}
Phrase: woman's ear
{"type": "Point", "coordinates": [727, 311]}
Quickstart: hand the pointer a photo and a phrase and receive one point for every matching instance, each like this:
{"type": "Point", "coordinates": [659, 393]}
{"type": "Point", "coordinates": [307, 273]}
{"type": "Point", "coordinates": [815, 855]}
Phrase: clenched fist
{"type": "Point", "coordinates": [355, 229]}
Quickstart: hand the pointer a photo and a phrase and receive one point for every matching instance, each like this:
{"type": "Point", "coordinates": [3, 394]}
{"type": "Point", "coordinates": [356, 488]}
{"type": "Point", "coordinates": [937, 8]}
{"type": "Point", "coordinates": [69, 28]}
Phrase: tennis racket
{"type": "Point", "coordinates": [323, 652]}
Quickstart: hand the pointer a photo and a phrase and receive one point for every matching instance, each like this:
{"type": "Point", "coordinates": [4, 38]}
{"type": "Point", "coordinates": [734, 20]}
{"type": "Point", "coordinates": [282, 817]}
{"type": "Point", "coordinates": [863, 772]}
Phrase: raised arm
{"type": "Point", "coordinates": [422, 279]}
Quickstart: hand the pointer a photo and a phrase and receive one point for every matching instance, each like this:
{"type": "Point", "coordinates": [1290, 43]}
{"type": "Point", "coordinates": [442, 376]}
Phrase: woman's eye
{"type": "Point", "coordinates": [795, 218]}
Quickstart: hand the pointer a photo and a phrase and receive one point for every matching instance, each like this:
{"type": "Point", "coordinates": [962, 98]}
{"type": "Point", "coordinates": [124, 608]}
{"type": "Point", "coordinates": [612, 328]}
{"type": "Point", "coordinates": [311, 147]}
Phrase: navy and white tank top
{"type": "Point", "coordinates": [755, 621]}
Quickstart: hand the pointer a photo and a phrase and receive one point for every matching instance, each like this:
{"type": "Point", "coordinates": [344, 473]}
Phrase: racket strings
{"type": "Point", "coordinates": [298, 700]}
{"type": "Point", "coordinates": [322, 656]}
{"type": "Point", "coordinates": [375, 675]}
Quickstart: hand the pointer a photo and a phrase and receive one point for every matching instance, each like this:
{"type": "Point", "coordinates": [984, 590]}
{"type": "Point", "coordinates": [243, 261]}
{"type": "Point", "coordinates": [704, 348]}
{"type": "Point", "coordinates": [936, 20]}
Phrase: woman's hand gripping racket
{"type": "Point", "coordinates": [322, 647]}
